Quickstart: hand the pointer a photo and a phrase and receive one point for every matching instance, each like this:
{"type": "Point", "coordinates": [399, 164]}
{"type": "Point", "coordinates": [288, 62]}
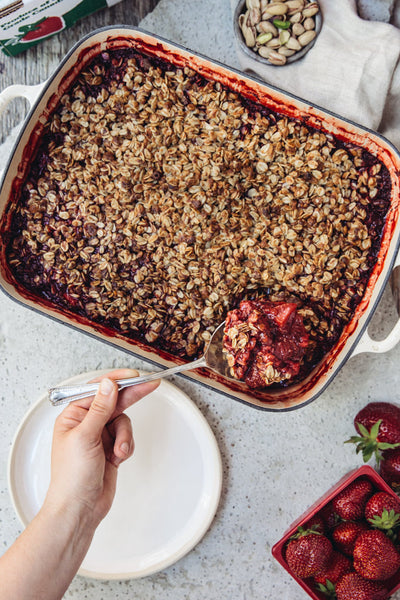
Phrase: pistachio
{"type": "Point", "coordinates": [296, 18]}
{"type": "Point", "coordinates": [253, 4]}
{"type": "Point", "coordinates": [274, 43]}
{"type": "Point", "coordinates": [311, 9]}
{"type": "Point", "coordinates": [267, 27]}
{"type": "Point", "coordinates": [254, 17]}
{"type": "Point", "coordinates": [309, 24]}
{"type": "Point", "coordinates": [293, 44]}
{"type": "Point", "coordinates": [249, 35]}
{"type": "Point", "coordinates": [284, 37]}
{"type": "Point", "coordinates": [277, 29]}
{"type": "Point", "coordinates": [297, 29]}
{"type": "Point", "coordinates": [285, 51]}
{"type": "Point", "coordinates": [263, 38]}
{"type": "Point", "coordinates": [306, 37]}
{"type": "Point", "coordinates": [277, 9]}
{"type": "Point", "coordinates": [264, 51]}
{"type": "Point", "coordinates": [279, 24]}
{"type": "Point", "coordinates": [276, 59]}
{"type": "Point", "coordinates": [294, 6]}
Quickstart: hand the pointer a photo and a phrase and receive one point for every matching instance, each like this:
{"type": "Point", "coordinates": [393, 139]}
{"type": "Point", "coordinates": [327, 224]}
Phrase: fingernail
{"type": "Point", "coordinates": [125, 447]}
{"type": "Point", "coordinates": [106, 386]}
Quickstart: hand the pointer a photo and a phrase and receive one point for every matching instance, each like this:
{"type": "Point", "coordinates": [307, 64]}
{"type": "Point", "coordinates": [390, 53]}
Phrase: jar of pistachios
{"type": "Point", "coordinates": [277, 31]}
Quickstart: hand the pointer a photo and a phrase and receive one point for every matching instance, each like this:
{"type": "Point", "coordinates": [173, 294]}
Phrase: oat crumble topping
{"type": "Point", "coordinates": [159, 200]}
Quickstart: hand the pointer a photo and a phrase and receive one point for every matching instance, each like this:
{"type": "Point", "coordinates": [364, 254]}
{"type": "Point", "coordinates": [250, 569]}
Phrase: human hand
{"type": "Point", "coordinates": [91, 438]}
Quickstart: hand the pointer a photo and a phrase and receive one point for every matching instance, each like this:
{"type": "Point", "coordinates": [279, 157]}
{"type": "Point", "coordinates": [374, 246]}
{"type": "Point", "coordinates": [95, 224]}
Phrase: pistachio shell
{"type": "Point", "coordinates": [309, 24]}
{"type": "Point", "coordinates": [276, 9]}
{"type": "Point", "coordinates": [253, 4]}
{"type": "Point", "coordinates": [296, 18]}
{"type": "Point", "coordinates": [264, 51]}
{"type": "Point", "coordinates": [294, 6]}
{"type": "Point", "coordinates": [274, 43]}
{"type": "Point", "coordinates": [293, 44]}
{"type": "Point", "coordinates": [276, 59]}
{"type": "Point", "coordinates": [311, 9]}
{"type": "Point", "coordinates": [249, 35]}
{"type": "Point", "coordinates": [254, 17]}
{"type": "Point", "coordinates": [297, 29]}
{"type": "Point", "coordinates": [267, 27]}
{"type": "Point", "coordinates": [307, 37]}
{"type": "Point", "coordinates": [284, 37]}
{"type": "Point", "coordinates": [284, 51]}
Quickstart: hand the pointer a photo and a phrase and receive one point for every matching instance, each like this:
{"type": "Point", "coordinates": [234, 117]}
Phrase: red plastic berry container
{"type": "Point", "coordinates": [278, 550]}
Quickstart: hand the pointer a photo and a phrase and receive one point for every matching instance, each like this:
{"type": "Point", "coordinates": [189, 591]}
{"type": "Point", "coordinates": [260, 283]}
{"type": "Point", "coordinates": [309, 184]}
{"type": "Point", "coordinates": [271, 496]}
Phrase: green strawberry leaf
{"type": "Point", "coordinates": [329, 589]}
{"type": "Point", "coordinates": [301, 531]}
{"type": "Point", "coordinates": [367, 442]}
{"type": "Point", "coordinates": [387, 522]}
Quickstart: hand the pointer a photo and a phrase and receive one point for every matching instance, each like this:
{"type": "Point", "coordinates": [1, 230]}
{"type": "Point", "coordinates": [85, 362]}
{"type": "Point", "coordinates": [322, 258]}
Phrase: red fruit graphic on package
{"type": "Point", "coordinates": [350, 503]}
{"type": "Point", "coordinates": [375, 556]}
{"type": "Point", "coordinates": [43, 28]}
{"type": "Point", "coordinates": [354, 587]}
{"type": "Point", "coordinates": [308, 553]}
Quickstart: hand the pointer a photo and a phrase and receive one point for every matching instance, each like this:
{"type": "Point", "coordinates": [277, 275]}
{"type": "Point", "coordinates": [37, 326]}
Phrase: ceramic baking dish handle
{"type": "Point", "coordinates": [30, 92]}
{"type": "Point", "coordinates": [367, 344]}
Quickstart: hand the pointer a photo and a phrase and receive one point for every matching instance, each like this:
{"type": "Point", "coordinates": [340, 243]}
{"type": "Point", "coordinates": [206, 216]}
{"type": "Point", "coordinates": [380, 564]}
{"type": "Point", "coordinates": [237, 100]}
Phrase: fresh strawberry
{"type": "Point", "coordinates": [338, 565]}
{"type": "Point", "coordinates": [350, 503]}
{"type": "Point", "coordinates": [383, 512]}
{"type": "Point", "coordinates": [375, 556]}
{"type": "Point", "coordinates": [354, 587]}
{"type": "Point", "coordinates": [389, 468]}
{"type": "Point", "coordinates": [308, 553]}
{"type": "Point", "coordinates": [316, 523]}
{"type": "Point", "coordinates": [344, 535]}
{"type": "Point", "coordinates": [378, 424]}
{"type": "Point", "coordinates": [329, 516]}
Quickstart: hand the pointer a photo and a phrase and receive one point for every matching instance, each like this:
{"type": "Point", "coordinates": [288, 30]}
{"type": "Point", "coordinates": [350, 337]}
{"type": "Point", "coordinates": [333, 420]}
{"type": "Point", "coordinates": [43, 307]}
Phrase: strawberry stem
{"type": "Point", "coordinates": [368, 444]}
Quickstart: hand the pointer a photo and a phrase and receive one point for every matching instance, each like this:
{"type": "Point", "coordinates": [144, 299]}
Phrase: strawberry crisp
{"type": "Point", "coordinates": [264, 342]}
{"type": "Point", "coordinates": [157, 200]}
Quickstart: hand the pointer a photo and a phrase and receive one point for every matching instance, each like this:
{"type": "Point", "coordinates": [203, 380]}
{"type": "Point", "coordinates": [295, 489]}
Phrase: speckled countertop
{"type": "Point", "coordinates": [274, 465]}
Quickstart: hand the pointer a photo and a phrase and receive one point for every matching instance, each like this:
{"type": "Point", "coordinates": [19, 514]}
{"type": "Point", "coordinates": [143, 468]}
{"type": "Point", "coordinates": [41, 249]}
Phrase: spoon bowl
{"type": "Point", "coordinates": [213, 358]}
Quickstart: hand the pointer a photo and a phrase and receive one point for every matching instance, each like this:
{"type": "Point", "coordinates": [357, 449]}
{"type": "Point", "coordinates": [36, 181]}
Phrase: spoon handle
{"type": "Point", "coordinates": [68, 393]}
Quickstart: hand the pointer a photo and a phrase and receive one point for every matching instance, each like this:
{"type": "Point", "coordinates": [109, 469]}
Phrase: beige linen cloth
{"type": "Point", "coordinates": [353, 69]}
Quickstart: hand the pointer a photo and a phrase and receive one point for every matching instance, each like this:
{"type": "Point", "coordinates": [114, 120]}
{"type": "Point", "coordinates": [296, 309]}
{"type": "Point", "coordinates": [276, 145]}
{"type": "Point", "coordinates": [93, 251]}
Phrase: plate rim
{"type": "Point", "coordinates": [203, 527]}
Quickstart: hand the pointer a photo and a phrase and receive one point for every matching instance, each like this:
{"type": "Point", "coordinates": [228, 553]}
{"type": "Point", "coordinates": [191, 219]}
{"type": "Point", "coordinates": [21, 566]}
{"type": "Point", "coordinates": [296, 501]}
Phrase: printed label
{"type": "Point", "coordinates": [28, 26]}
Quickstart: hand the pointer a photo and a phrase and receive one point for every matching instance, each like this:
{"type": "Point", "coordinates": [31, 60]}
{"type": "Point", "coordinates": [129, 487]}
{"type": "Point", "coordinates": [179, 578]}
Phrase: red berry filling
{"type": "Point", "coordinates": [264, 342]}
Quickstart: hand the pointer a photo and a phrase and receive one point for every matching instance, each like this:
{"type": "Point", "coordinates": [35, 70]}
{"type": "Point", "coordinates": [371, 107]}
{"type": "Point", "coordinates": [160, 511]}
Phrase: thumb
{"type": "Point", "coordinates": [101, 409]}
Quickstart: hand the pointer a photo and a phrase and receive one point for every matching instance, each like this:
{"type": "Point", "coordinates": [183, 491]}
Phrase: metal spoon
{"type": "Point", "coordinates": [213, 359]}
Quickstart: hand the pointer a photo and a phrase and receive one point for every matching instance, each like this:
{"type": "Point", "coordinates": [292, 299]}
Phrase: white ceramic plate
{"type": "Point", "coordinates": [167, 493]}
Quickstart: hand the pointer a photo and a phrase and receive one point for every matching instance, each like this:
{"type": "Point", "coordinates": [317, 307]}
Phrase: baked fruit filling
{"type": "Point", "coordinates": [264, 342]}
{"type": "Point", "coordinates": [158, 200]}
